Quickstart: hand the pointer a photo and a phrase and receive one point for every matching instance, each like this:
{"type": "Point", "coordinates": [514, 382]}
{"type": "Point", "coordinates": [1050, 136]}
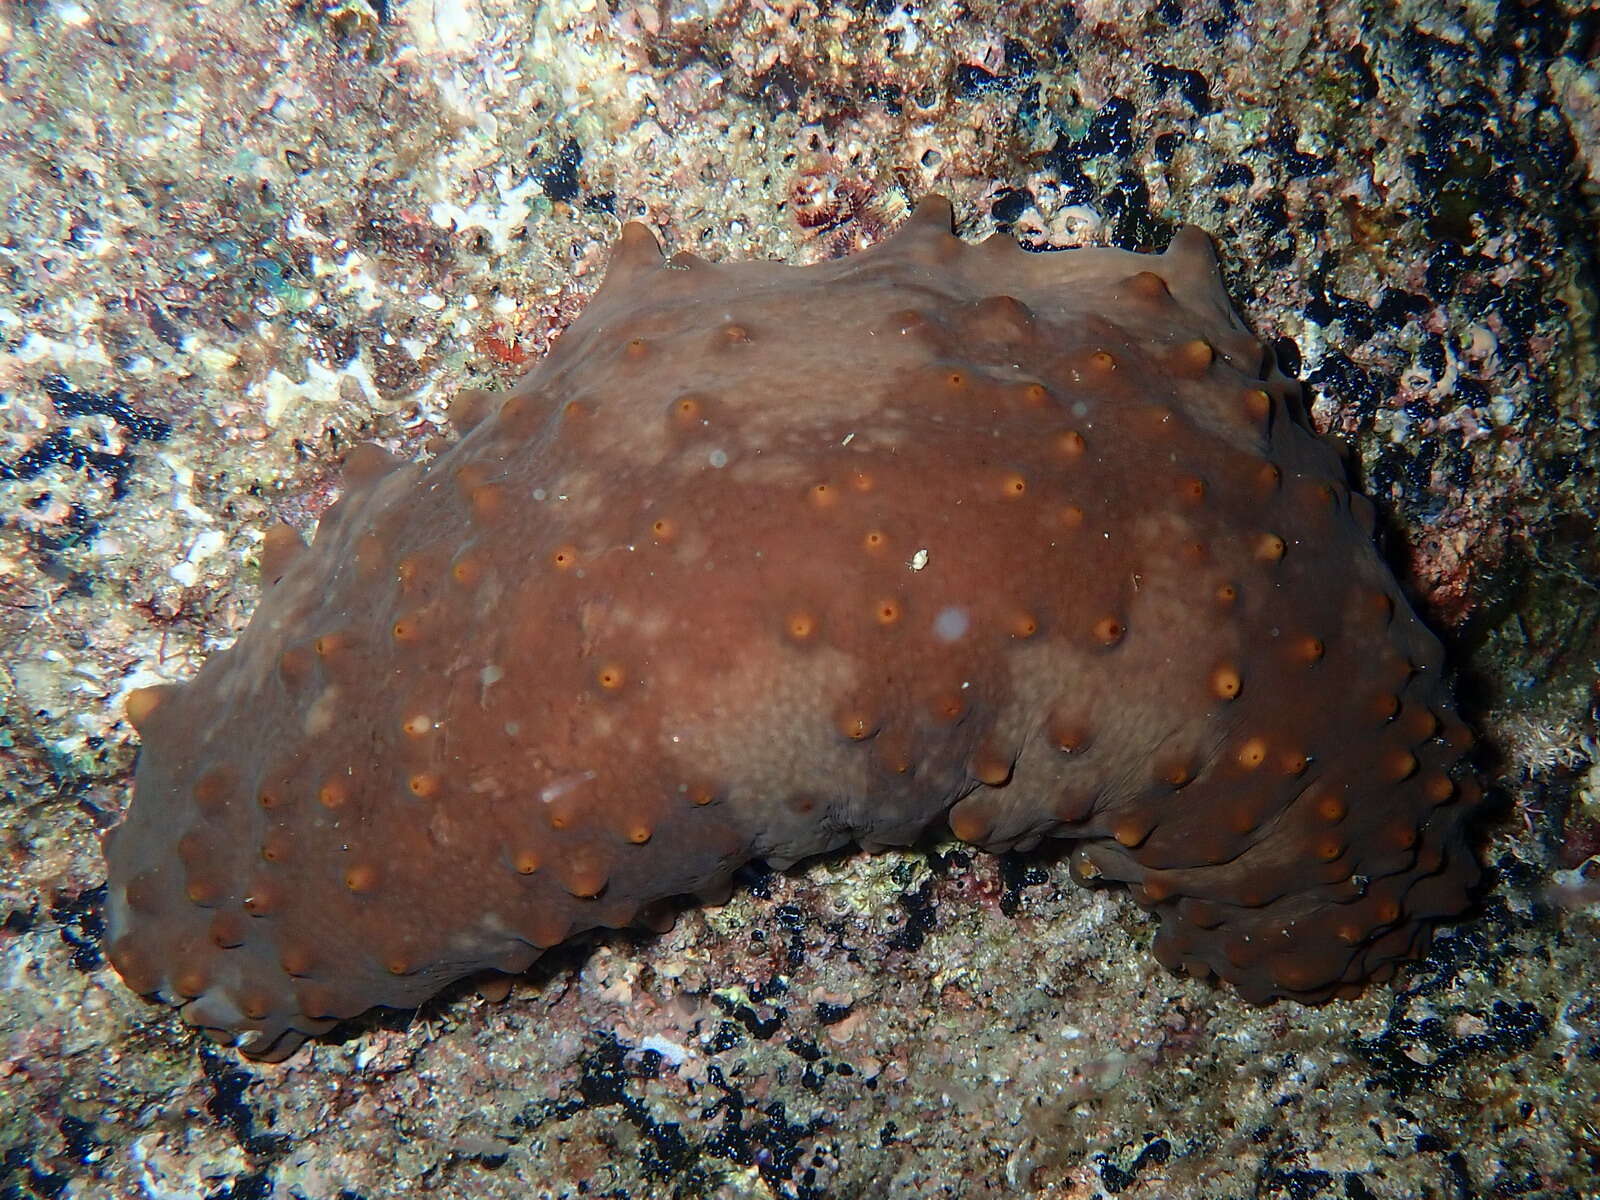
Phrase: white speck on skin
{"type": "Point", "coordinates": [951, 624]}
{"type": "Point", "coordinates": [552, 792]}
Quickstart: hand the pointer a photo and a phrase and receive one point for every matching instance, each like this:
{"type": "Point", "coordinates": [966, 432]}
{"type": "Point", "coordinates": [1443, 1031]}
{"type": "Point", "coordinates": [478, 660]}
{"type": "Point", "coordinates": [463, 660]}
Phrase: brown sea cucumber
{"type": "Point", "coordinates": [762, 560]}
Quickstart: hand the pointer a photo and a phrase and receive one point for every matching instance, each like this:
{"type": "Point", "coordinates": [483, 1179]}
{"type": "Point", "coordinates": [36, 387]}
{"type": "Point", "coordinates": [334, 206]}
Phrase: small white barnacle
{"type": "Point", "coordinates": [918, 560]}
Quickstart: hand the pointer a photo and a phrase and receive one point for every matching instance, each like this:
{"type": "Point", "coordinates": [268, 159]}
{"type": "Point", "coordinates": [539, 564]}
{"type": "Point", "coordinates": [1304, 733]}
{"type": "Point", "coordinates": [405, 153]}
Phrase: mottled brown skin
{"type": "Point", "coordinates": [763, 560]}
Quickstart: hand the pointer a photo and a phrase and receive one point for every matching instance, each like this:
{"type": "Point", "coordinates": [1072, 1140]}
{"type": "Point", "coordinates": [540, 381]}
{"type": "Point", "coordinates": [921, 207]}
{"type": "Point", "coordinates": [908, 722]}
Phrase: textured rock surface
{"type": "Point", "coordinates": [763, 560]}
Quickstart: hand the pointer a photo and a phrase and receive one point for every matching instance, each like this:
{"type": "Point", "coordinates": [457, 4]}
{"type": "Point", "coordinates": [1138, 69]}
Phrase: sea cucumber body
{"type": "Point", "coordinates": [762, 560]}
